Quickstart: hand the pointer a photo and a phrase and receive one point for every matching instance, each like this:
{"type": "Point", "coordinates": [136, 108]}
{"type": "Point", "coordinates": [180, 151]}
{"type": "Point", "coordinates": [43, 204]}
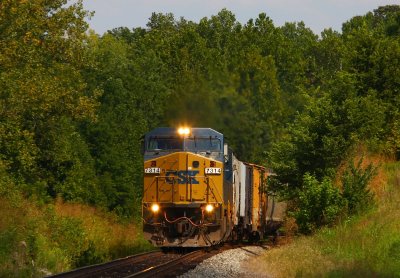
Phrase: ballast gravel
{"type": "Point", "coordinates": [227, 264]}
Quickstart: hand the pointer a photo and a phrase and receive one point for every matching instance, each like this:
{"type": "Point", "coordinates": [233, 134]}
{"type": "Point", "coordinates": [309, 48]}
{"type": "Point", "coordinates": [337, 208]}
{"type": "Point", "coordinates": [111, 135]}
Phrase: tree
{"type": "Point", "coordinates": [43, 96]}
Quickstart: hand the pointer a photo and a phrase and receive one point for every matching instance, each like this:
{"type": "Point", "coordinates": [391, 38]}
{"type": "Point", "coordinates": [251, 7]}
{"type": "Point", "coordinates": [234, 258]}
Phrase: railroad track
{"type": "Point", "coordinates": [175, 267]}
{"type": "Point", "coordinates": [152, 264]}
{"type": "Point", "coordinates": [119, 268]}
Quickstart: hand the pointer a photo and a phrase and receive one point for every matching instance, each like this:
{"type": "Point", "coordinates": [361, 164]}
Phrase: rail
{"type": "Point", "coordinates": [150, 264]}
{"type": "Point", "coordinates": [100, 270]}
{"type": "Point", "coordinates": [162, 269]}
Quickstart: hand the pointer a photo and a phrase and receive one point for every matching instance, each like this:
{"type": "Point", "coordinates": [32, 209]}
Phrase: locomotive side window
{"type": "Point", "coordinates": [203, 144]}
{"type": "Point", "coordinates": [165, 144]}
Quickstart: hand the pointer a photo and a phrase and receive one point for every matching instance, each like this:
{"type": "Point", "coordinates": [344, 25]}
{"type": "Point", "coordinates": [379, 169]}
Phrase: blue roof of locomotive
{"type": "Point", "coordinates": [172, 132]}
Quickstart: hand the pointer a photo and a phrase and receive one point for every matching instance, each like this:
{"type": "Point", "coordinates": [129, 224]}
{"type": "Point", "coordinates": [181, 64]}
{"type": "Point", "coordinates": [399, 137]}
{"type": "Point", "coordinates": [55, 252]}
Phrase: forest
{"type": "Point", "coordinates": [76, 104]}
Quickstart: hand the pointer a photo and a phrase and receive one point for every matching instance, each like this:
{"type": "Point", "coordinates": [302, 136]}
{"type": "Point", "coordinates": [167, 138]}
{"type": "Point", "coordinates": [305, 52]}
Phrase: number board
{"type": "Point", "coordinates": [212, 171]}
{"type": "Point", "coordinates": [152, 170]}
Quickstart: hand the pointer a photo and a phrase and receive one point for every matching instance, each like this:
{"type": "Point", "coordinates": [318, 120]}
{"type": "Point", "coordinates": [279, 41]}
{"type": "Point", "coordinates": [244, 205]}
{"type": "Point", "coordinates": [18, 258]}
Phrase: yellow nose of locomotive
{"type": "Point", "coordinates": [182, 178]}
{"type": "Point", "coordinates": [183, 187]}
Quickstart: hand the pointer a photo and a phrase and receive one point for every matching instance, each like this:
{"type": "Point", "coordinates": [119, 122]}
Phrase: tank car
{"type": "Point", "coordinates": [197, 193]}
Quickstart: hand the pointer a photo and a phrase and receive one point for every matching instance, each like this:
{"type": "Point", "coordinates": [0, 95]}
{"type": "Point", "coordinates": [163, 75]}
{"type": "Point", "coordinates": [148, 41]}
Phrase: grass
{"type": "Point", "coordinates": [367, 245]}
{"type": "Point", "coordinates": [36, 240]}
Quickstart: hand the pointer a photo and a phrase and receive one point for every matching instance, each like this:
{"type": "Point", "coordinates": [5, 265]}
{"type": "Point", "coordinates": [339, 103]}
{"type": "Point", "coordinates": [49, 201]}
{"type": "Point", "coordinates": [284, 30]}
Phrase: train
{"type": "Point", "coordinates": [197, 193]}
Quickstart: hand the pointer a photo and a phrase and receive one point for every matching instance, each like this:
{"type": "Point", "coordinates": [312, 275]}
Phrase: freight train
{"type": "Point", "coordinates": [197, 193]}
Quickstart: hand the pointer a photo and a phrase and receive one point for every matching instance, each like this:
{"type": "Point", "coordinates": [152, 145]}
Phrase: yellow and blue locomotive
{"type": "Point", "coordinates": [197, 193]}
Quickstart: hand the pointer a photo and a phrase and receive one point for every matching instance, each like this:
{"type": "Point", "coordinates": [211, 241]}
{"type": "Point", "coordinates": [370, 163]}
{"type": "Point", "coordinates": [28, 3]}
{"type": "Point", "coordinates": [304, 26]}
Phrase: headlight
{"type": "Point", "coordinates": [155, 208]}
{"type": "Point", "coordinates": [183, 131]}
{"type": "Point", "coordinates": [209, 208]}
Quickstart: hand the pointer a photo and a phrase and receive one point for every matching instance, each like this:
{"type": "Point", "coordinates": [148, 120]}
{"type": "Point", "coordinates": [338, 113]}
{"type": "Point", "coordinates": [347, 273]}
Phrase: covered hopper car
{"type": "Point", "coordinates": [197, 193]}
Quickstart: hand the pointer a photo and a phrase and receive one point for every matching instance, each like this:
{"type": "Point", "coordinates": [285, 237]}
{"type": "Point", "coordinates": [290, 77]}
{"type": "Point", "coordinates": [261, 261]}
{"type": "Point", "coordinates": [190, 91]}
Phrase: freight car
{"type": "Point", "coordinates": [197, 193]}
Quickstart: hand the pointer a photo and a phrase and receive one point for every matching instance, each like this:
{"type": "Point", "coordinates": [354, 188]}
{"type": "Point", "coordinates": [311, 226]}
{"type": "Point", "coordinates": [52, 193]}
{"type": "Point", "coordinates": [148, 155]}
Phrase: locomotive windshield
{"type": "Point", "coordinates": [194, 144]}
{"type": "Point", "coordinates": [170, 143]}
{"type": "Point", "coordinates": [162, 141]}
{"type": "Point", "coordinates": [203, 144]}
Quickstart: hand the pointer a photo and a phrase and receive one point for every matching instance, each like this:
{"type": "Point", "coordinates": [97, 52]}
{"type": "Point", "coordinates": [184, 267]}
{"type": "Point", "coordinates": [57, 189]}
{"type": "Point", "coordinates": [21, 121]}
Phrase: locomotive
{"type": "Point", "coordinates": [197, 193]}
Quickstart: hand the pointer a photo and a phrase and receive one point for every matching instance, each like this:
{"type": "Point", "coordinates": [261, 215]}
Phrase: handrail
{"type": "Point", "coordinates": [214, 191]}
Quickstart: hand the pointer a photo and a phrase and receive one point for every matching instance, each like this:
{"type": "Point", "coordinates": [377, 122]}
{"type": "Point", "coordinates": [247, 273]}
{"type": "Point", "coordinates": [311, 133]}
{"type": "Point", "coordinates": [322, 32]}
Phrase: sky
{"type": "Point", "coordinates": [316, 14]}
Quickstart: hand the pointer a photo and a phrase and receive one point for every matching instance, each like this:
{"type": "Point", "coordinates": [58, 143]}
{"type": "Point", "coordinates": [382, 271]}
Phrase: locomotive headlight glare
{"type": "Point", "coordinates": [209, 208]}
{"type": "Point", "coordinates": [183, 131]}
{"type": "Point", "coordinates": [155, 208]}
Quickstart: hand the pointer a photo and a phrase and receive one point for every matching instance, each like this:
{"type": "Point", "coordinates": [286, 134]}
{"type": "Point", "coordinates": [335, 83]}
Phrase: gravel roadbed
{"type": "Point", "coordinates": [227, 264]}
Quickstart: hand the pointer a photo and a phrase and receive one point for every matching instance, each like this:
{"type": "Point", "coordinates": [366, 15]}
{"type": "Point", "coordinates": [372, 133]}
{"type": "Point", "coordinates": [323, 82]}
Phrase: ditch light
{"type": "Point", "coordinates": [155, 208]}
{"type": "Point", "coordinates": [209, 208]}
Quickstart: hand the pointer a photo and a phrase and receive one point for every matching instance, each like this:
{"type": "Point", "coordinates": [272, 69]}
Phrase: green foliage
{"type": "Point", "coordinates": [212, 69]}
{"type": "Point", "coordinates": [320, 204]}
{"type": "Point", "coordinates": [42, 50]}
{"type": "Point", "coordinates": [90, 256]}
{"type": "Point", "coordinates": [8, 238]}
{"type": "Point", "coordinates": [129, 101]}
{"type": "Point", "coordinates": [356, 193]}
{"type": "Point", "coordinates": [55, 238]}
{"type": "Point", "coordinates": [354, 101]}
{"type": "Point", "coordinates": [320, 137]}
{"type": "Point", "coordinates": [365, 245]}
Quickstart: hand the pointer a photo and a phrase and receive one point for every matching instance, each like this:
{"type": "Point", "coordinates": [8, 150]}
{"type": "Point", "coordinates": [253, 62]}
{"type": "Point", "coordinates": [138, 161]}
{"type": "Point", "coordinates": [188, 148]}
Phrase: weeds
{"type": "Point", "coordinates": [39, 240]}
{"type": "Point", "coordinates": [322, 204]}
{"type": "Point", "coordinates": [319, 204]}
{"type": "Point", "coordinates": [355, 182]}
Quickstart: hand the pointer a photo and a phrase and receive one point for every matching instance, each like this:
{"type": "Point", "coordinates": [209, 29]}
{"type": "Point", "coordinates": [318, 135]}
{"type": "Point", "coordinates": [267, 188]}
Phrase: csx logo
{"type": "Point", "coordinates": [183, 177]}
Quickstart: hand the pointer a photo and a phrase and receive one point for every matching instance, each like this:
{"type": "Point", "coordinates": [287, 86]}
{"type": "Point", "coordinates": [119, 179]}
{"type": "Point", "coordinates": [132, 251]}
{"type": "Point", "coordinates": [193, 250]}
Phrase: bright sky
{"type": "Point", "coordinates": [316, 14]}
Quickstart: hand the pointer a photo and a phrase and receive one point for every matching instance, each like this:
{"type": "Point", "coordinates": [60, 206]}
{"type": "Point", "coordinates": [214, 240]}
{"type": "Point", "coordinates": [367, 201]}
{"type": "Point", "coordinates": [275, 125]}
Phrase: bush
{"type": "Point", "coordinates": [355, 182]}
{"type": "Point", "coordinates": [319, 204]}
